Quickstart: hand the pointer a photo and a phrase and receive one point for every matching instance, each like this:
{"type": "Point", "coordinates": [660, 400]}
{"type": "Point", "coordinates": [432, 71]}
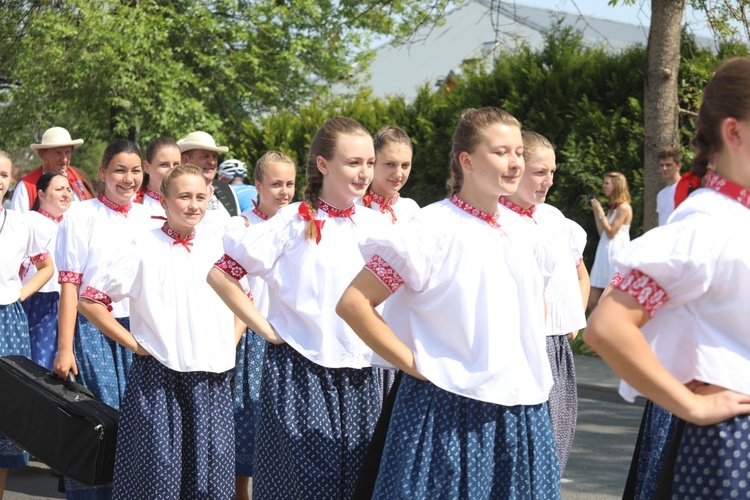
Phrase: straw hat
{"type": "Point", "coordinates": [200, 140]}
{"type": "Point", "coordinates": [56, 137]}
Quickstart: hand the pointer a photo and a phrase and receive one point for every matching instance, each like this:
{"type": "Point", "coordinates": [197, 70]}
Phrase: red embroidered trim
{"type": "Point", "coordinates": [260, 214]}
{"type": "Point", "coordinates": [616, 279]}
{"type": "Point", "coordinates": [97, 296]}
{"type": "Point", "coordinates": [177, 237]}
{"type": "Point", "coordinates": [231, 267]}
{"type": "Point", "coordinates": [50, 216]}
{"type": "Point", "coordinates": [579, 262]}
{"type": "Point", "coordinates": [384, 273]}
{"type": "Point", "coordinates": [39, 258]}
{"type": "Point", "coordinates": [69, 277]}
{"type": "Point", "coordinates": [385, 206]}
{"type": "Point", "coordinates": [644, 290]}
{"type": "Point", "coordinates": [517, 208]}
{"type": "Point", "coordinates": [727, 188]}
{"type": "Point", "coordinates": [335, 212]}
{"type": "Point", "coordinates": [304, 212]}
{"type": "Point", "coordinates": [472, 210]}
{"type": "Point", "coordinates": [152, 194]}
{"type": "Point", "coordinates": [123, 209]}
{"type": "Point", "coordinates": [251, 296]}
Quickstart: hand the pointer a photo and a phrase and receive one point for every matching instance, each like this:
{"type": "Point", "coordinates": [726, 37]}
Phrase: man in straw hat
{"type": "Point", "coordinates": [55, 151]}
{"type": "Point", "coordinates": [200, 149]}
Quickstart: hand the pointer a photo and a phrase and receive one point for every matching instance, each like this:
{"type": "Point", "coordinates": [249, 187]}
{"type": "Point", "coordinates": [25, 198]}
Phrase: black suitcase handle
{"type": "Point", "coordinates": [71, 384]}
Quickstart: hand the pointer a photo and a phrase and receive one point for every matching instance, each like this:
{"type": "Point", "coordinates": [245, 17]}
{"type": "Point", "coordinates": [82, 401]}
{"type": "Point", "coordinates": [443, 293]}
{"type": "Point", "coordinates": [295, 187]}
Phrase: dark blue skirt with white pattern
{"type": "Point", "coordinates": [41, 308]}
{"type": "Point", "coordinates": [103, 367]}
{"type": "Point", "coordinates": [250, 353]}
{"type": "Point", "coordinates": [441, 445]}
{"type": "Point", "coordinates": [563, 397]}
{"type": "Point", "coordinates": [14, 340]}
{"type": "Point", "coordinates": [314, 429]}
{"type": "Point", "coordinates": [713, 461]}
{"type": "Point", "coordinates": [176, 435]}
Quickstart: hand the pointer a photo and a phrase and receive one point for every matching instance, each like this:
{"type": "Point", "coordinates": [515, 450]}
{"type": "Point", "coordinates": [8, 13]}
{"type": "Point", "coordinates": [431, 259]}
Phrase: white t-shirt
{"type": "Point", "coordinates": [665, 203]}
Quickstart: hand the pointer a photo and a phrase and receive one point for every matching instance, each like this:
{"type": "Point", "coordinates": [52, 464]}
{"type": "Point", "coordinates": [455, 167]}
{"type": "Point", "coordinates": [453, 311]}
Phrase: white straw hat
{"type": "Point", "coordinates": [56, 137]}
{"type": "Point", "coordinates": [200, 140]}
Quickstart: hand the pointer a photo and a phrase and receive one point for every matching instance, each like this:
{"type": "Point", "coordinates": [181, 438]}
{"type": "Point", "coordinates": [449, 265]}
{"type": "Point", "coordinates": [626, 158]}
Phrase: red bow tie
{"type": "Point", "coordinates": [186, 242]}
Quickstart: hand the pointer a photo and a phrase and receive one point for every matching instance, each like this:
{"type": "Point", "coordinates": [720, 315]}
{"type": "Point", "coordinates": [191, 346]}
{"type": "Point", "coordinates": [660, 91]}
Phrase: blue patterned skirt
{"type": "Point", "coordinates": [103, 367]}
{"type": "Point", "coordinates": [713, 461]}
{"type": "Point", "coordinates": [314, 429]}
{"type": "Point", "coordinates": [441, 445]}
{"type": "Point", "coordinates": [42, 308]}
{"type": "Point", "coordinates": [176, 435]}
{"type": "Point", "coordinates": [250, 353]}
{"type": "Point", "coordinates": [14, 340]}
{"type": "Point", "coordinates": [563, 398]}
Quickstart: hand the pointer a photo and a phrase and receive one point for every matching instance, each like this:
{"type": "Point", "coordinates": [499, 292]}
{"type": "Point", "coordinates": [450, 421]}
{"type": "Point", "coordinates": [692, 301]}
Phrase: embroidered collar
{"type": "Point", "coordinates": [152, 194]}
{"type": "Point", "coordinates": [123, 209]}
{"type": "Point", "coordinates": [186, 242]}
{"type": "Point", "coordinates": [727, 188]}
{"type": "Point", "coordinates": [385, 206]}
{"type": "Point", "coordinates": [472, 210]}
{"type": "Point", "coordinates": [335, 212]}
{"type": "Point", "coordinates": [517, 208]}
{"type": "Point", "coordinates": [257, 211]}
{"type": "Point", "coordinates": [50, 216]}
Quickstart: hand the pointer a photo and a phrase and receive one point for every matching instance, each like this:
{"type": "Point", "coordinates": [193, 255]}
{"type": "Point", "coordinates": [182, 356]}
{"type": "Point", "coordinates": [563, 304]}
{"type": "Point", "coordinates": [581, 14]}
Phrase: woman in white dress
{"type": "Point", "coordinates": [613, 227]}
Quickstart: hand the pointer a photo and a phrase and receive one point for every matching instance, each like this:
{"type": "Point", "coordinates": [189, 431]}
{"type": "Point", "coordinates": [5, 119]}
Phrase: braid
{"type": "Point", "coordinates": [312, 190]}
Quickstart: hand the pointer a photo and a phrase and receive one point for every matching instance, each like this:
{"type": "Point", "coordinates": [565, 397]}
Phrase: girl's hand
{"type": "Point", "coordinates": [716, 404]}
{"type": "Point", "coordinates": [65, 362]}
{"type": "Point", "coordinates": [596, 207]}
{"type": "Point", "coordinates": [140, 351]}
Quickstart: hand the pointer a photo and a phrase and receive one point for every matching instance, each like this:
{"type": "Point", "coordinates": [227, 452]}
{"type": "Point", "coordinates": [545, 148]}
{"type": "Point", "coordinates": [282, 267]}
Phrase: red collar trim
{"type": "Point", "coordinates": [335, 212]}
{"type": "Point", "coordinates": [472, 210]}
{"type": "Point", "coordinates": [186, 242]}
{"type": "Point", "coordinates": [385, 206]}
{"type": "Point", "coordinates": [258, 212]}
{"type": "Point", "coordinates": [517, 208]}
{"type": "Point", "coordinates": [123, 209]}
{"type": "Point", "coordinates": [727, 188]}
{"type": "Point", "coordinates": [152, 194]}
{"type": "Point", "coordinates": [50, 216]}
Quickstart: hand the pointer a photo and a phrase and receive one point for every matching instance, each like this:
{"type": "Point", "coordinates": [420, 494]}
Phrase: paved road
{"type": "Point", "coordinates": [597, 468]}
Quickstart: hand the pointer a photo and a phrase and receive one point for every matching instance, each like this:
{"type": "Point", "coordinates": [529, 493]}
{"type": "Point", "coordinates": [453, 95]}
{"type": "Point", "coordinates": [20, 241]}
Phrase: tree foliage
{"type": "Point", "coordinates": [142, 68]}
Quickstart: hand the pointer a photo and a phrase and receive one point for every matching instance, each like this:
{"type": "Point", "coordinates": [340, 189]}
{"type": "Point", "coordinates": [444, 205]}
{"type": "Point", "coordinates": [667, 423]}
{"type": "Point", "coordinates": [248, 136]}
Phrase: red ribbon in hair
{"type": "Point", "coordinates": [304, 212]}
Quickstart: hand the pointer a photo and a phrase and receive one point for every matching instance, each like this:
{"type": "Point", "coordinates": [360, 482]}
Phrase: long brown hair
{"type": "Point", "coordinates": [467, 137]}
{"type": "Point", "coordinates": [324, 145]}
{"type": "Point", "coordinates": [620, 193]}
{"type": "Point", "coordinates": [727, 95]}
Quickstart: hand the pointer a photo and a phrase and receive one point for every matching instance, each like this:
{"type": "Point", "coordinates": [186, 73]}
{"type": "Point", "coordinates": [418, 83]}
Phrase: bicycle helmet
{"type": "Point", "coordinates": [231, 169]}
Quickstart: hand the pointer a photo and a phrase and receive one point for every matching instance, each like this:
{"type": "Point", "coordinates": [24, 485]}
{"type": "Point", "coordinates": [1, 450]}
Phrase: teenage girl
{"type": "Point", "coordinates": [320, 397]}
{"type": "Point", "coordinates": [274, 180]}
{"type": "Point", "coordinates": [162, 154]}
{"type": "Point", "coordinates": [175, 438]}
{"type": "Point", "coordinates": [54, 196]}
{"type": "Point", "coordinates": [91, 237]}
{"type": "Point", "coordinates": [393, 155]}
{"type": "Point", "coordinates": [18, 240]}
{"type": "Point", "coordinates": [470, 418]}
{"type": "Point", "coordinates": [675, 324]}
{"type": "Point", "coordinates": [613, 227]}
{"type": "Point", "coordinates": [568, 288]}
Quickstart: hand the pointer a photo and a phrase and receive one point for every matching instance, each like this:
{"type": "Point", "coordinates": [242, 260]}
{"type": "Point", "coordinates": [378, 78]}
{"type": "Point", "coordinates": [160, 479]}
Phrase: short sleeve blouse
{"type": "Point", "coordinates": [18, 240]}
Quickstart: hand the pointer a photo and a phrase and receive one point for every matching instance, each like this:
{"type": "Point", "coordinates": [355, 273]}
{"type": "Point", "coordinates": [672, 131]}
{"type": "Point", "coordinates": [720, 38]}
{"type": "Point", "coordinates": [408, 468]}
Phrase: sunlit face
{"type": "Point", "coordinates": [608, 187]}
{"type": "Point", "coordinates": [669, 168]}
{"type": "Point", "coordinates": [537, 178]}
{"type": "Point", "coordinates": [164, 160]}
{"type": "Point", "coordinates": [347, 175]}
{"type": "Point", "coordinates": [277, 188]}
{"type": "Point", "coordinates": [205, 159]}
{"type": "Point", "coordinates": [56, 199]}
{"type": "Point", "coordinates": [496, 164]}
{"type": "Point", "coordinates": [392, 169]}
{"type": "Point", "coordinates": [122, 177]}
{"type": "Point", "coordinates": [5, 176]}
{"type": "Point", "coordinates": [185, 202]}
{"type": "Point", "coordinates": [56, 159]}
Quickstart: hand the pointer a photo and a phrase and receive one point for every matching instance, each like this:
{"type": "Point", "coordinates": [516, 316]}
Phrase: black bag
{"type": "Point", "coordinates": [59, 422]}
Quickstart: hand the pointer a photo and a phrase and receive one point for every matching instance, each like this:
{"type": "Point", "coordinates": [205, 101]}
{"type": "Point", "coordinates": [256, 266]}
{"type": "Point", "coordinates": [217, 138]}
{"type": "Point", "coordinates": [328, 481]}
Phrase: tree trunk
{"type": "Point", "coordinates": [660, 103]}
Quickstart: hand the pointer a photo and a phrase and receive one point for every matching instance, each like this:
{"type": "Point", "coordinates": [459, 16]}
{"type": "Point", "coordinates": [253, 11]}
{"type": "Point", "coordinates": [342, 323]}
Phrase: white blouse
{"type": "Point", "coordinates": [18, 240]}
{"type": "Point", "coordinates": [255, 285]}
{"type": "Point", "coordinates": [152, 203]}
{"type": "Point", "coordinates": [92, 235]}
{"type": "Point", "coordinates": [566, 240]}
{"type": "Point", "coordinates": [397, 209]}
{"type": "Point", "coordinates": [45, 225]}
{"type": "Point", "coordinates": [472, 307]}
{"type": "Point", "coordinates": [306, 278]}
{"type": "Point", "coordinates": [174, 313]}
{"type": "Point", "coordinates": [693, 278]}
